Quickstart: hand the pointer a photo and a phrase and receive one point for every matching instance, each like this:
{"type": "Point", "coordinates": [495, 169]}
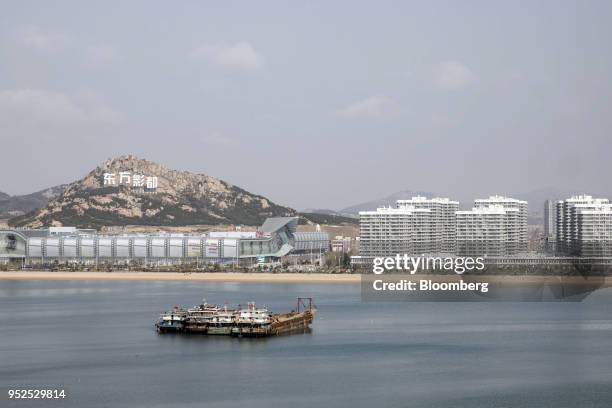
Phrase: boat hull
{"type": "Point", "coordinates": [219, 331]}
{"type": "Point", "coordinates": [163, 327]}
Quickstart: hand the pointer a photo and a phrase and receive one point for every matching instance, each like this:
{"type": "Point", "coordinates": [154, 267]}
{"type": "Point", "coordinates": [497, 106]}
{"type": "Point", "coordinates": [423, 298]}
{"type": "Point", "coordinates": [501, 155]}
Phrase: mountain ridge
{"type": "Point", "coordinates": [180, 198]}
{"type": "Point", "coordinates": [12, 206]}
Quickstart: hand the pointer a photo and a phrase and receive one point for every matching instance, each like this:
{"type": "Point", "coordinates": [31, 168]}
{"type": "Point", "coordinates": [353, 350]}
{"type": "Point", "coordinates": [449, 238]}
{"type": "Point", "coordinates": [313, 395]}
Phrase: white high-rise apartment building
{"type": "Point", "coordinates": [550, 226]}
{"type": "Point", "coordinates": [550, 219]}
{"type": "Point", "coordinates": [391, 231]}
{"type": "Point", "coordinates": [492, 230]}
{"type": "Point", "coordinates": [496, 226]}
{"type": "Point", "coordinates": [584, 226]}
{"type": "Point", "coordinates": [507, 202]}
{"type": "Point", "coordinates": [443, 221]}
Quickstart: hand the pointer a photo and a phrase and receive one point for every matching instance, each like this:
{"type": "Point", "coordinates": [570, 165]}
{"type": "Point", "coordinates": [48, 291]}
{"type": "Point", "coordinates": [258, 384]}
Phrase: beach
{"type": "Point", "coordinates": [263, 277]}
{"type": "Point", "coordinates": [184, 276]}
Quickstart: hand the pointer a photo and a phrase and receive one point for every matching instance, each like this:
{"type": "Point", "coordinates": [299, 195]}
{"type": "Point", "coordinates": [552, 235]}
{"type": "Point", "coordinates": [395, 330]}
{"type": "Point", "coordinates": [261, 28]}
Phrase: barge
{"type": "Point", "coordinates": [250, 321]}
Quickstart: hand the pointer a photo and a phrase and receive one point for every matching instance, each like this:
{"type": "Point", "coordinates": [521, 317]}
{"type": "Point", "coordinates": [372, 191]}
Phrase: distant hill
{"type": "Point", "coordinates": [11, 206]}
{"type": "Point", "coordinates": [384, 202]}
{"type": "Point", "coordinates": [181, 198]}
{"type": "Point", "coordinates": [320, 211]}
{"type": "Point", "coordinates": [326, 219]}
{"type": "Point", "coordinates": [327, 212]}
{"type": "Point", "coordinates": [536, 198]}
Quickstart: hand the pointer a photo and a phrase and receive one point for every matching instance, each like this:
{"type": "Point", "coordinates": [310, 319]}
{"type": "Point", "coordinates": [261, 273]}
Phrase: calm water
{"type": "Point", "coordinates": [96, 339]}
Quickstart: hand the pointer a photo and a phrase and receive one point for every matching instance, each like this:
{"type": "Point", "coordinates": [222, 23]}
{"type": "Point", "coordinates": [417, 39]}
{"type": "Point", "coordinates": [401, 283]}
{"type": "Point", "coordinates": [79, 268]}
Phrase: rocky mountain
{"type": "Point", "coordinates": [116, 193]}
{"type": "Point", "coordinates": [11, 206]}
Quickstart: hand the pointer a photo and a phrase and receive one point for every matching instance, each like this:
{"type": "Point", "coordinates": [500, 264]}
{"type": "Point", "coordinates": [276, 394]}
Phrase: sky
{"type": "Point", "coordinates": [318, 104]}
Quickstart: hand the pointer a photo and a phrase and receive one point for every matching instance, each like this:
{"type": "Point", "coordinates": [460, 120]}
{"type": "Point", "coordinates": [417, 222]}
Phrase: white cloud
{"type": "Point", "coordinates": [44, 41]}
{"type": "Point", "coordinates": [102, 54]}
{"type": "Point", "coordinates": [238, 57]}
{"type": "Point", "coordinates": [374, 107]}
{"type": "Point", "coordinates": [452, 75]}
{"type": "Point", "coordinates": [47, 111]}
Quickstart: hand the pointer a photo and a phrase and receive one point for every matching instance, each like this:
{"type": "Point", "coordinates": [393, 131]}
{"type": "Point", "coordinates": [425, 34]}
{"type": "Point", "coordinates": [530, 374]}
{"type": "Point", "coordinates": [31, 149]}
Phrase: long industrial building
{"type": "Point", "coordinates": [276, 238]}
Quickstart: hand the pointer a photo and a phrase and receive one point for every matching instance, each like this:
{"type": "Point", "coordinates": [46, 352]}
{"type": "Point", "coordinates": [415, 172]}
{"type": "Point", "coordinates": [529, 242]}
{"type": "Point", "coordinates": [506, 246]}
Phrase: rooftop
{"type": "Point", "coordinates": [499, 198]}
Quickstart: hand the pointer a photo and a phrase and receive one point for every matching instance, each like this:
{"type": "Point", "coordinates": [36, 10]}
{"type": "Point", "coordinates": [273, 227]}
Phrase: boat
{"type": "Point", "coordinates": [222, 322]}
{"type": "Point", "coordinates": [200, 317]}
{"type": "Point", "coordinates": [172, 321]}
{"type": "Point", "coordinates": [252, 321]}
{"type": "Point", "coordinates": [249, 321]}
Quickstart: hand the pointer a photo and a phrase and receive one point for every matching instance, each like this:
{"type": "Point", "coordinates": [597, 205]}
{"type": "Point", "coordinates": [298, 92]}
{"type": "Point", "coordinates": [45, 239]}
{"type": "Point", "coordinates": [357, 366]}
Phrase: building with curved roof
{"type": "Point", "coordinates": [276, 238]}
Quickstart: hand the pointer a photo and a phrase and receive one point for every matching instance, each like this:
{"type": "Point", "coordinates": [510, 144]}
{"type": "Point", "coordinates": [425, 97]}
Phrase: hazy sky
{"type": "Point", "coordinates": [312, 104]}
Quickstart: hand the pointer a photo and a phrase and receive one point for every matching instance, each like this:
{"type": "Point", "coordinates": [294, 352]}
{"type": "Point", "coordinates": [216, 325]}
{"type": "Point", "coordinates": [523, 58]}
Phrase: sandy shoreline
{"type": "Point", "coordinates": [183, 276]}
{"type": "Point", "coordinates": [278, 277]}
